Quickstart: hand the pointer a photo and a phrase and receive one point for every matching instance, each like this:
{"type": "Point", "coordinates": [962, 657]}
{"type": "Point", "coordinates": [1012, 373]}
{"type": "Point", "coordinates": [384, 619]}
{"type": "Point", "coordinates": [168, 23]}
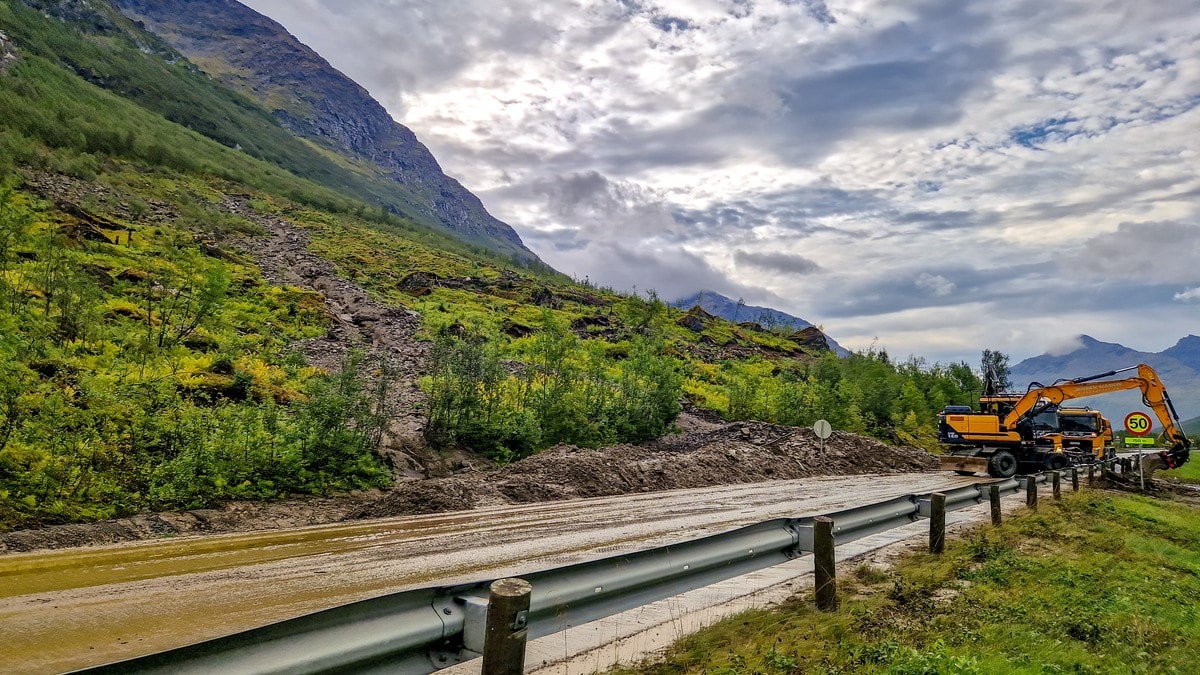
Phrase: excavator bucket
{"type": "Point", "coordinates": [964, 464]}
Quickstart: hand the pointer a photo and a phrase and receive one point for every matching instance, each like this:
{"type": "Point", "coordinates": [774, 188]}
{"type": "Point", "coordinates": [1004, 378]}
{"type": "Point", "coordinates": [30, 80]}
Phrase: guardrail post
{"type": "Point", "coordinates": [824, 569]}
{"type": "Point", "coordinates": [937, 522]}
{"type": "Point", "coordinates": [1031, 491]}
{"type": "Point", "coordinates": [507, 627]}
{"type": "Point", "coordinates": [1056, 483]}
{"type": "Point", "coordinates": [994, 498]}
{"type": "Point", "coordinates": [1075, 479]}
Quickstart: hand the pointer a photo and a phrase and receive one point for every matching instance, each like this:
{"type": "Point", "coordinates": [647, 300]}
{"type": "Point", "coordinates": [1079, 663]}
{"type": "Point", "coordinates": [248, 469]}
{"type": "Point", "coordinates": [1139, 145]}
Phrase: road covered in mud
{"type": "Point", "coordinates": [73, 608]}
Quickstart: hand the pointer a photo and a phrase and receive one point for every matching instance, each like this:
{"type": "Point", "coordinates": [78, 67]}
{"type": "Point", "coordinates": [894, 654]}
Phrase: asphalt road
{"type": "Point", "coordinates": [69, 609]}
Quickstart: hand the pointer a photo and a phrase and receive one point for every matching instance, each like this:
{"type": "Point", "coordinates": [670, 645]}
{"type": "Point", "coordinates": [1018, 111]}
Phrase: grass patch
{"type": "Point", "coordinates": [1097, 583]}
{"type": "Point", "coordinates": [1188, 473]}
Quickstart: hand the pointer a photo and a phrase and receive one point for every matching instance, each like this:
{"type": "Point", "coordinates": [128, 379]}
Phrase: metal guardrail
{"type": "Point", "coordinates": [421, 631]}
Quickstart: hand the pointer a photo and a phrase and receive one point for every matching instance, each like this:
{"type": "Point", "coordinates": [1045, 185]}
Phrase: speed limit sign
{"type": "Point", "coordinates": [1138, 423]}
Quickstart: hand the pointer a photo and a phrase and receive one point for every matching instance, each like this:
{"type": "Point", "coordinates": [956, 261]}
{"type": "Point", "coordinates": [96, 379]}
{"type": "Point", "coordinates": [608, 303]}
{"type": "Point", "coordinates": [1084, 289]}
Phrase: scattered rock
{"type": "Point", "coordinates": [542, 297]}
{"type": "Point", "coordinates": [8, 54]}
{"type": "Point", "coordinates": [812, 338]}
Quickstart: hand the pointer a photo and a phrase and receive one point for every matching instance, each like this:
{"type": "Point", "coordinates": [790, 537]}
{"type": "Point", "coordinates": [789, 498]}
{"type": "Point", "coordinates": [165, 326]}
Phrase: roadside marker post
{"type": "Point", "coordinates": [994, 498]}
{"type": "Point", "coordinates": [824, 565]}
{"type": "Point", "coordinates": [507, 627]}
{"type": "Point", "coordinates": [937, 522]}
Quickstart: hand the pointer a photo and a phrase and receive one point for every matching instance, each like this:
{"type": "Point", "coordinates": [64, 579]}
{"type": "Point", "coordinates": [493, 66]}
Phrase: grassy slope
{"type": "Point", "coordinates": [1097, 583]}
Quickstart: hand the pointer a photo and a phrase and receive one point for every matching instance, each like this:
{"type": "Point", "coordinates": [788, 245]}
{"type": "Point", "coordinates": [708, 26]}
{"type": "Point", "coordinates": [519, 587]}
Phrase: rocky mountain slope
{"type": "Point", "coordinates": [259, 58]}
{"type": "Point", "coordinates": [1179, 367]}
{"type": "Point", "coordinates": [731, 310]}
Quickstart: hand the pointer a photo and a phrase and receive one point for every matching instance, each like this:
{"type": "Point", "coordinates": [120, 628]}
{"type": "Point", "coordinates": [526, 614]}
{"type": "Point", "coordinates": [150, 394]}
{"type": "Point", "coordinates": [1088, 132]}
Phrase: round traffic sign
{"type": "Point", "coordinates": [822, 429]}
{"type": "Point", "coordinates": [1138, 423]}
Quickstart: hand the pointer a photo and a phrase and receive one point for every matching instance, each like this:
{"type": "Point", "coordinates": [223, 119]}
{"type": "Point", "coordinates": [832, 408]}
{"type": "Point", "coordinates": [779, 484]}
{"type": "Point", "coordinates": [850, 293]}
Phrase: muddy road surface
{"type": "Point", "coordinates": [61, 610]}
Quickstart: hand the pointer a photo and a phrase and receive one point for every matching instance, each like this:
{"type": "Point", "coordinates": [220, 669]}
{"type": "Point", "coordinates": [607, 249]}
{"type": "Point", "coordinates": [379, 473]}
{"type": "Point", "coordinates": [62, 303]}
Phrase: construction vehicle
{"type": "Point", "coordinates": [1031, 432]}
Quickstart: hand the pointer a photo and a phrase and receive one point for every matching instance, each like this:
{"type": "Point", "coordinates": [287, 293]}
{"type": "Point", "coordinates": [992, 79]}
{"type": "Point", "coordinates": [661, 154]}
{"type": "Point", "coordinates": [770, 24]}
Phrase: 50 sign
{"type": "Point", "coordinates": [1138, 423]}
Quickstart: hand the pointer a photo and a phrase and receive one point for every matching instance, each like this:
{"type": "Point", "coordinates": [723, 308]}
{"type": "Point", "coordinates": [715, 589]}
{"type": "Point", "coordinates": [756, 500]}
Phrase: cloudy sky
{"type": "Point", "coordinates": [942, 176]}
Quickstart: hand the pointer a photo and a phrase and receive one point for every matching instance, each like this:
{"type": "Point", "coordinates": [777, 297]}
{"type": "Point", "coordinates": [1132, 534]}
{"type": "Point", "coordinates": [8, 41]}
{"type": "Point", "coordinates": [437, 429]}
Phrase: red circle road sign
{"type": "Point", "coordinates": [1138, 423]}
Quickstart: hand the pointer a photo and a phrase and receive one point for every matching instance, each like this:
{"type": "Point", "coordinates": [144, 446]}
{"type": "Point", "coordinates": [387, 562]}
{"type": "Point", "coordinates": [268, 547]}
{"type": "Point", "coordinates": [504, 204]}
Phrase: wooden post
{"type": "Point", "coordinates": [994, 497]}
{"type": "Point", "coordinates": [1056, 483]}
{"type": "Point", "coordinates": [1091, 475]}
{"type": "Point", "coordinates": [937, 522]}
{"type": "Point", "coordinates": [1031, 491]}
{"type": "Point", "coordinates": [823, 564]}
{"type": "Point", "coordinates": [1075, 479]}
{"type": "Point", "coordinates": [507, 627]}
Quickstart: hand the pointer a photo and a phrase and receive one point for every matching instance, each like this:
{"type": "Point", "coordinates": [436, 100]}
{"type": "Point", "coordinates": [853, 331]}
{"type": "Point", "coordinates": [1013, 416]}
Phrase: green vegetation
{"type": "Point", "coordinates": [90, 90]}
{"type": "Point", "coordinates": [1188, 473]}
{"type": "Point", "coordinates": [568, 391]}
{"type": "Point", "coordinates": [1096, 583]}
{"type": "Point", "coordinates": [151, 374]}
{"type": "Point", "coordinates": [865, 393]}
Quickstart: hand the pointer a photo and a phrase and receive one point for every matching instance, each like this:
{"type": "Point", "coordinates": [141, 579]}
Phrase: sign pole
{"type": "Point", "coordinates": [1138, 425]}
{"type": "Point", "coordinates": [823, 430]}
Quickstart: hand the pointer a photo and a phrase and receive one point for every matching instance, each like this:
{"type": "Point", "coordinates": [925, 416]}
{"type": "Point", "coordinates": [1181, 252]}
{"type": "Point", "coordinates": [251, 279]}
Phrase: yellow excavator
{"type": "Point", "coordinates": [1032, 432]}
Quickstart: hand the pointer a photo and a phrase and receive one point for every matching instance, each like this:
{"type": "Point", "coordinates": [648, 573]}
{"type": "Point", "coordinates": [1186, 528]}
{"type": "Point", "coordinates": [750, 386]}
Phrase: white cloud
{"type": "Point", "coordinates": [1065, 346]}
{"type": "Point", "coordinates": [1046, 150]}
{"type": "Point", "coordinates": [936, 284]}
{"type": "Point", "coordinates": [1189, 295]}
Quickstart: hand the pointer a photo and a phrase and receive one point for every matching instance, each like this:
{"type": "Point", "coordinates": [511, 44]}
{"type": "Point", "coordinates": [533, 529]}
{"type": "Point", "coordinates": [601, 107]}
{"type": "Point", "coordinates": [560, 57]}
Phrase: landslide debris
{"type": "Point", "coordinates": [703, 454]}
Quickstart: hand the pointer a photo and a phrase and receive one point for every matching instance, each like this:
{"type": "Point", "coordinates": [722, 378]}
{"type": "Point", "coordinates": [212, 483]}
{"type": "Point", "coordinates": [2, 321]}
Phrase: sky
{"type": "Point", "coordinates": [932, 178]}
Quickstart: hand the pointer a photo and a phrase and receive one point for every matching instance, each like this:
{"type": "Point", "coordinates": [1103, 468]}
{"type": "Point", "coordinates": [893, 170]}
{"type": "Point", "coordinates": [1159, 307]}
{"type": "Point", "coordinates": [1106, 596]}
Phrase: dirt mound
{"type": "Point", "coordinates": [703, 454]}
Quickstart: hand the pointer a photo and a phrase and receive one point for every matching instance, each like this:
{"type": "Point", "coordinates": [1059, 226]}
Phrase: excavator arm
{"type": "Point", "coordinates": [1154, 395]}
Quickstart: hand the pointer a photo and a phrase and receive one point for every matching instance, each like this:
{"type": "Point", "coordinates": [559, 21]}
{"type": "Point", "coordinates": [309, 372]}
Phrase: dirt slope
{"type": "Point", "coordinates": [703, 454]}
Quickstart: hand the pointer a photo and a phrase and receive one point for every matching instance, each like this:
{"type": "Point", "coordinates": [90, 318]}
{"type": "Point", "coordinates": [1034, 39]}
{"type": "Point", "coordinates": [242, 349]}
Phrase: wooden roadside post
{"type": "Point", "coordinates": [1091, 475]}
{"type": "Point", "coordinates": [994, 498]}
{"type": "Point", "coordinates": [824, 569]}
{"type": "Point", "coordinates": [1031, 491]}
{"type": "Point", "coordinates": [1056, 484]}
{"type": "Point", "coordinates": [1075, 479]}
{"type": "Point", "coordinates": [507, 627]}
{"type": "Point", "coordinates": [937, 522]}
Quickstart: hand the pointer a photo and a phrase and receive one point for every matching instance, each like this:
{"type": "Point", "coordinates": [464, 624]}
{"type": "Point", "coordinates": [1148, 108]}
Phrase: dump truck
{"type": "Point", "coordinates": [1032, 431]}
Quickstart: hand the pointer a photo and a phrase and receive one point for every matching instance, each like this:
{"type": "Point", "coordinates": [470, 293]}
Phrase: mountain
{"type": "Point", "coordinates": [1178, 366]}
{"type": "Point", "coordinates": [735, 311]}
{"type": "Point", "coordinates": [341, 137]}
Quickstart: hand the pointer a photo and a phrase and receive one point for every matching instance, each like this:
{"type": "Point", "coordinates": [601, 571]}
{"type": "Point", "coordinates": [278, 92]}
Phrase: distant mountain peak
{"type": "Point", "coordinates": [738, 311]}
{"type": "Point", "coordinates": [1084, 355]}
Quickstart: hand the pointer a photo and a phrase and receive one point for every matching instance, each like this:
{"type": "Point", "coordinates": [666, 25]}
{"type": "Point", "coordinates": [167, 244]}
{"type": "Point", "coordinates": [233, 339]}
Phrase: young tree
{"type": "Point", "coordinates": [994, 366]}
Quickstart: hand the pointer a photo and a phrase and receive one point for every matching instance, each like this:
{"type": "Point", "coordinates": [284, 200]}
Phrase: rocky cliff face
{"type": "Point", "coordinates": [258, 57]}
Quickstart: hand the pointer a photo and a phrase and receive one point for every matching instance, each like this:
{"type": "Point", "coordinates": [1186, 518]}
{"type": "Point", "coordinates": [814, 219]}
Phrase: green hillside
{"type": "Point", "coordinates": [147, 363]}
{"type": "Point", "coordinates": [105, 49]}
{"type": "Point", "coordinates": [1191, 427]}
